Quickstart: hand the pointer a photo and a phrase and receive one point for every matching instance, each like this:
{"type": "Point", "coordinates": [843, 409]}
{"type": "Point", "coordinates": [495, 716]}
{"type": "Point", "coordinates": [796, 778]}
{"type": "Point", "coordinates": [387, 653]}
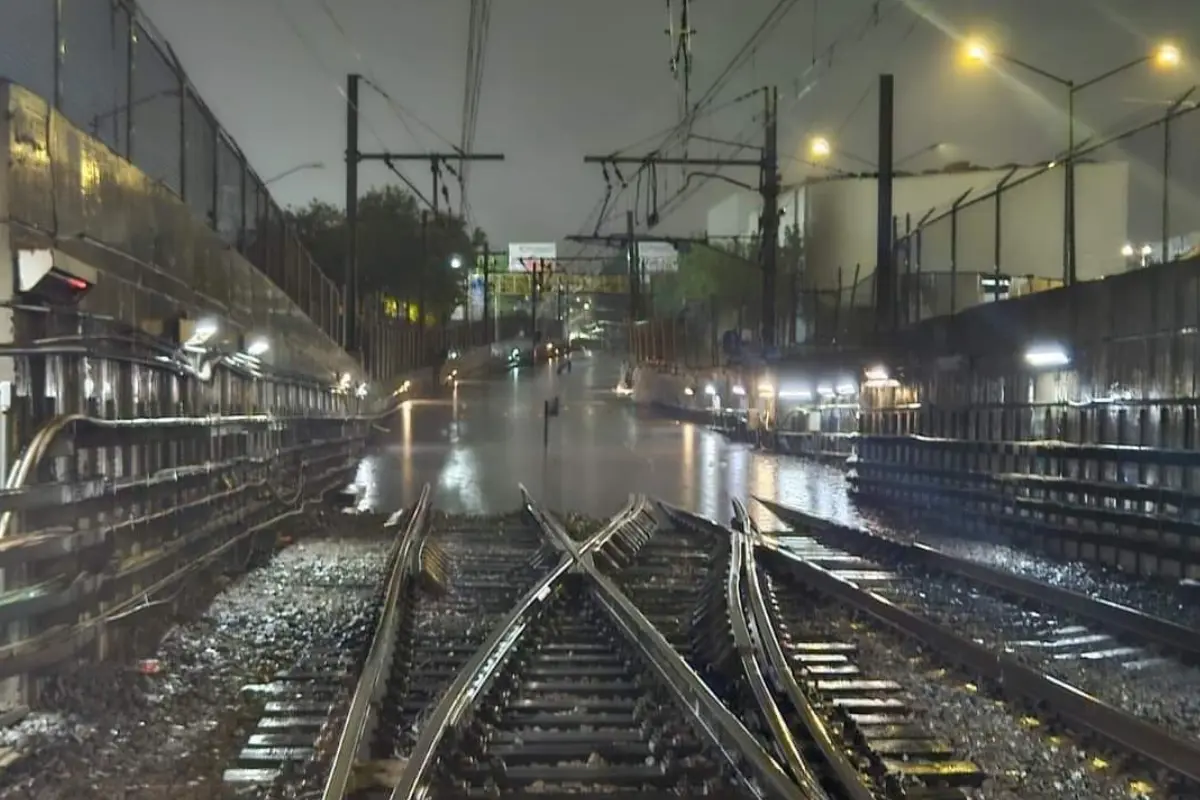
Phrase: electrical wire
{"type": "Point", "coordinates": [853, 33]}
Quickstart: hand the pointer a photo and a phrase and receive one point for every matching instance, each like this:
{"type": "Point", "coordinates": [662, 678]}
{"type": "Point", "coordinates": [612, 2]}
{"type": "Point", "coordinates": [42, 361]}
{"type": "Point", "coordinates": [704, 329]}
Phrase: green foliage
{"type": "Point", "coordinates": [391, 257]}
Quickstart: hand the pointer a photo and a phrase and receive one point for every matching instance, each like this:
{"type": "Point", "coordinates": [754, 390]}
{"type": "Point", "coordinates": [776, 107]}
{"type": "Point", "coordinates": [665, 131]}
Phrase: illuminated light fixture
{"type": "Point", "coordinates": [689, 391]}
{"type": "Point", "coordinates": [819, 147]}
{"type": "Point", "coordinates": [1047, 356]}
{"type": "Point", "coordinates": [876, 374]}
{"type": "Point", "coordinates": [258, 347]}
{"type": "Point", "coordinates": [361, 391]}
{"type": "Point", "coordinates": [825, 391]}
{"type": "Point", "coordinates": [1168, 55]}
{"type": "Point", "coordinates": [977, 51]}
{"type": "Point", "coordinates": [766, 388]}
{"type": "Point", "coordinates": [740, 391]}
{"type": "Point", "coordinates": [204, 330]}
{"type": "Point", "coordinates": [1147, 249]}
{"type": "Point", "coordinates": [456, 262]}
{"type": "Point", "coordinates": [1127, 251]}
{"type": "Point", "coordinates": [344, 381]}
{"type": "Point", "coordinates": [795, 394]}
{"type": "Point", "coordinates": [710, 390]}
{"type": "Point", "coordinates": [846, 389]}
{"type": "Point", "coordinates": [453, 354]}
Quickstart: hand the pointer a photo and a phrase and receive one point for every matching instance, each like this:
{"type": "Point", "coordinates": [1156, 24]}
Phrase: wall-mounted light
{"type": "Point", "coordinates": [1041, 356]}
{"type": "Point", "coordinates": [205, 329]}
{"type": "Point", "coordinates": [689, 391]}
{"type": "Point", "coordinates": [877, 373]}
{"type": "Point", "coordinates": [258, 347]}
{"type": "Point", "coordinates": [710, 390]}
{"type": "Point", "coordinates": [739, 390]}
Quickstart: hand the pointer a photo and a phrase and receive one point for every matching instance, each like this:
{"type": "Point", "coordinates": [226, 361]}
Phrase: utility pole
{"type": "Point", "coordinates": [354, 157]}
{"type": "Point", "coordinates": [350, 268]}
{"type": "Point", "coordinates": [487, 291]}
{"type": "Point", "coordinates": [770, 218]}
{"type": "Point", "coordinates": [769, 189]}
{"type": "Point", "coordinates": [631, 261]}
{"type": "Point", "coordinates": [421, 267]}
{"type": "Point", "coordinates": [885, 260]}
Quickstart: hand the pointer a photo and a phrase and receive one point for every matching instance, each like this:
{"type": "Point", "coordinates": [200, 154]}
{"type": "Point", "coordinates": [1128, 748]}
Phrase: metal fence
{"type": "Point", "coordinates": [103, 66]}
{"type": "Point", "coordinates": [1135, 200]}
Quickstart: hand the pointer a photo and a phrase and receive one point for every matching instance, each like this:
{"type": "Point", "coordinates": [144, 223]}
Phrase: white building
{"type": "Point", "coordinates": [837, 217]}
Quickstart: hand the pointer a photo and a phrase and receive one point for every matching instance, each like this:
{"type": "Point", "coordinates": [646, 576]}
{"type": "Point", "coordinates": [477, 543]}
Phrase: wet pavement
{"type": "Point", "coordinates": [477, 442]}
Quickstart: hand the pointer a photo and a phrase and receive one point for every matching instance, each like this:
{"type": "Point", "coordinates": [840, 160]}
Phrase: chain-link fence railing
{"type": "Point", "coordinates": [103, 66]}
{"type": "Point", "coordinates": [1135, 204]}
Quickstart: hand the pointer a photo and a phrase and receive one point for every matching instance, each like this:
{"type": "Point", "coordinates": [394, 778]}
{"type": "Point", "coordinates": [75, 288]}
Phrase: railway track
{"type": "Point", "coordinates": [574, 692]}
{"type": "Point", "coordinates": [1076, 658]}
{"type": "Point", "coordinates": [839, 732]}
{"type": "Point", "coordinates": [446, 579]}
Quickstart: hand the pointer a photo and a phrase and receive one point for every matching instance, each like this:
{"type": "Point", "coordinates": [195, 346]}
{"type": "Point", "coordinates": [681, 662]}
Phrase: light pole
{"type": "Point", "coordinates": [1166, 56]}
{"type": "Point", "coordinates": [294, 170]}
{"type": "Point", "coordinates": [820, 148]}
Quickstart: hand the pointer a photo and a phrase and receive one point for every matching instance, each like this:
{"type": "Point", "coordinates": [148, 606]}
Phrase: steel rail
{"type": "Point", "coordinates": [693, 695]}
{"type": "Point", "coordinates": [1128, 621]}
{"type": "Point", "coordinates": [724, 729]}
{"type": "Point", "coordinates": [849, 778]}
{"type": "Point", "coordinates": [761, 773]}
{"type": "Point", "coordinates": [484, 663]}
{"type": "Point", "coordinates": [379, 658]}
{"type": "Point", "coordinates": [751, 659]}
{"type": "Point", "coordinates": [1078, 709]}
{"type": "Point", "coordinates": [748, 635]}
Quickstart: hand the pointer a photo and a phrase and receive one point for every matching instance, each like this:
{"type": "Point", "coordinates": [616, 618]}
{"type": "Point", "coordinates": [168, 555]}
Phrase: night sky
{"type": "Point", "coordinates": [568, 77]}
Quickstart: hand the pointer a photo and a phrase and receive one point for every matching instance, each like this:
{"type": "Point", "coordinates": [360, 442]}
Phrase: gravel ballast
{"type": "Point", "coordinates": [1021, 760]}
{"type": "Point", "coordinates": [1159, 690]}
{"type": "Point", "coordinates": [116, 732]}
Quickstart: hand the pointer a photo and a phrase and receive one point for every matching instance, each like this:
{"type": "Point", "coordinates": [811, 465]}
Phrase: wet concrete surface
{"type": "Point", "coordinates": [479, 440]}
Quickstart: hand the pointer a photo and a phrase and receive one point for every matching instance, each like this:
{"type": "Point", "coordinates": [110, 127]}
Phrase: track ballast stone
{"type": "Point", "coordinates": [116, 732]}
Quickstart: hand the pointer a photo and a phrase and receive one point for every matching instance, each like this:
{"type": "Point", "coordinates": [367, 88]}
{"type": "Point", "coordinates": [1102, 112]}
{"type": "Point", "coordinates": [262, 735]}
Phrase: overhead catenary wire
{"type": "Point", "coordinates": [401, 112]}
{"type": "Point", "coordinates": [852, 33]}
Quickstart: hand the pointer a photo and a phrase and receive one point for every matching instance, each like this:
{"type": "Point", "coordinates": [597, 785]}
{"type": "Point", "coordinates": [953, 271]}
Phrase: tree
{"type": "Point", "coordinates": [395, 256]}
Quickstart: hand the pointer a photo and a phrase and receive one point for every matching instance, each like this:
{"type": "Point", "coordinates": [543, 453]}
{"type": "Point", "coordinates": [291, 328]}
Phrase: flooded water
{"type": "Point", "coordinates": [477, 443]}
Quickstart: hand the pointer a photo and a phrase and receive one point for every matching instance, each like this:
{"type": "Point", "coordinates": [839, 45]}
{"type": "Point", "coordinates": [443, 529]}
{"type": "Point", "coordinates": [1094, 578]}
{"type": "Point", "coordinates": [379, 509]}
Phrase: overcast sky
{"type": "Point", "coordinates": [569, 77]}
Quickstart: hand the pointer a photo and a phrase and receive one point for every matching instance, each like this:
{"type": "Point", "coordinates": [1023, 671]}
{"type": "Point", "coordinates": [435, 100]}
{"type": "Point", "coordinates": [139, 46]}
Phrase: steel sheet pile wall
{"type": "Point", "coordinates": [1098, 459]}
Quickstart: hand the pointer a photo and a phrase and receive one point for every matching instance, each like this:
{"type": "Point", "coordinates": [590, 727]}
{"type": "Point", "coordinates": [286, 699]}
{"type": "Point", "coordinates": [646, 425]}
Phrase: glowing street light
{"type": "Point", "coordinates": [1165, 56]}
{"type": "Point", "coordinates": [977, 51]}
{"type": "Point", "coordinates": [819, 147]}
{"type": "Point", "coordinates": [1168, 56]}
{"type": "Point", "coordinates": [455, 262]}
{"type": "Point", "coordinates": [1127, 251]}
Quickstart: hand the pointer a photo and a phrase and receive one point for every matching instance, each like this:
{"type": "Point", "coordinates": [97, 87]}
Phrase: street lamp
{"type": "Point", "coordinates": [1165, 56]}
{"type": "Point", "coordinates": [294, 170]}
{"type": "Point", "coordinates": [819, 147]}
{"type": "Point", "coordinates": [455, 262]}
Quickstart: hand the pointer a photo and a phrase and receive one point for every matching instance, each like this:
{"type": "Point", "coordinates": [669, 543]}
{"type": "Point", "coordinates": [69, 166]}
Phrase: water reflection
{"type": "Point", "coordinates": [476, 449]}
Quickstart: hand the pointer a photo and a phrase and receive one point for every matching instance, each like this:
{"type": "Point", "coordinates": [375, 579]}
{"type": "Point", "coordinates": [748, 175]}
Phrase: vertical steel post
{"type": "Point", "coordinates": [770, 218]}
{"type": "Point", "coordinates": [885, 267]}
{"type": "Point", "coordinates": [350, 292]}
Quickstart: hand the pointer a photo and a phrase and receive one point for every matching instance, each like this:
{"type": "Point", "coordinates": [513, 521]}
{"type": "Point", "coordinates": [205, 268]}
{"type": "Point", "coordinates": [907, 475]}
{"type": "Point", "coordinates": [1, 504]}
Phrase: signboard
{"type": "Point", "coordinates": [521, 256]}
{"type": "Point", "coordinates": [658, 257]}
{"type": "Point", "coordinates": [520, 284]}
